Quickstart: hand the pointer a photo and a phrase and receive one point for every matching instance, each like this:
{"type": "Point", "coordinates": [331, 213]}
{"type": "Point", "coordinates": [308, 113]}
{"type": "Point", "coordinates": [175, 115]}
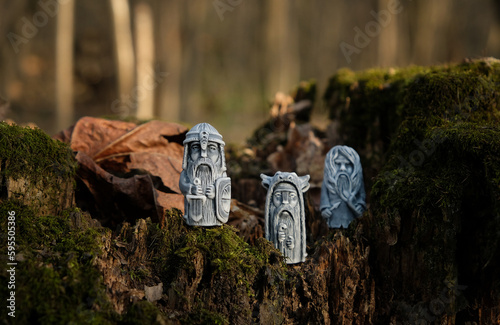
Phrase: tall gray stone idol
{"type": "Point", "coordinates": [203, 181]}
{"type": "Point", "coordinates": [285, 224]}
{"type": "Point", "coordinates": [343, 192]}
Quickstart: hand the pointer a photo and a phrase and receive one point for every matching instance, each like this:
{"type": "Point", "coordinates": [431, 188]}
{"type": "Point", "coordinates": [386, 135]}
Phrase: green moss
{"type": "Point", "coordinates": [368, 105]}
{"type": "Point", "coordinates": [448, 211]}
{"type": "Point", "coordinates": [143, 312]}
{"type": "Point", "coordinates": [32, 154]}
{"type": "Point", "coordinates": [229, 271]}
{"type": "Point", "coordinates": [429, 141]}
{"type": "Point", "coordinates": [56, 280]}
{"type": "Point", "coordinates": [458, 155]}
{"type": "Point", "coordinates": [35, 169]}
{"type": "Point", "coordinates": [203, 316]}
{"type": "Point", "coordinates": [221, 247]}
{"type": "Point", "coordinates": [305, 90]}
{"type": "Point", "coordinates": [375, 107]}
{"type": "Point", "coordinates": [438, 192]}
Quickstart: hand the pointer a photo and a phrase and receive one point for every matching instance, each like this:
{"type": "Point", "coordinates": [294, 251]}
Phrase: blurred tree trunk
{"type": "Point", "coordinates": [124, 53]}
{"type": "Point", "coordinates": [170, 50]}
{"type": "Point", "coordinates": [14, 8]}
{"type": "Point", "coordinates": [193, 63]}
{"type": "Point", "coordinates": [144, 49]}
{"type": "Point", "coordinates": [323, 42]}
{"type": "Point", "coordinates": [388, 42]}
{"type": "Point", "coordinates": [431, 31]}
{"type": "Point", "coordinates": [64, 64]}
{"type": "Point", "coordinates": [282, 46]}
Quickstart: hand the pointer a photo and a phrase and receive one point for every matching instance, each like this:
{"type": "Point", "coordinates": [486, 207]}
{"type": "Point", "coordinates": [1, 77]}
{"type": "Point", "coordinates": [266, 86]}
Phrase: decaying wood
{"type": "Point", "coordinates": [38, 196]}
{"type": "Point", "coordinates": [333, 286]}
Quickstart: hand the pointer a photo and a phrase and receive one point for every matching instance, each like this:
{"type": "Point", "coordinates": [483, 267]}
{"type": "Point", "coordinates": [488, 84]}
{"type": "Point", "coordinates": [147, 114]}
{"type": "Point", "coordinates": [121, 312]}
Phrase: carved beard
{"type": "Point", "coordinates": [204, 173]}
{"type": "Point", "coordinates": [344, 185]}
{"type": "Point", "coordinates": [279, 213]}
{"type": "Point", "coordinates": [204, 170]}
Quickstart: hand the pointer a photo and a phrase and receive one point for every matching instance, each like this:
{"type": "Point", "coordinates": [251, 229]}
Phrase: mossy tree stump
{"type": "Point", "coordinates": [431, 139]}
{"type": "Point", "coordinates": [36, 170]}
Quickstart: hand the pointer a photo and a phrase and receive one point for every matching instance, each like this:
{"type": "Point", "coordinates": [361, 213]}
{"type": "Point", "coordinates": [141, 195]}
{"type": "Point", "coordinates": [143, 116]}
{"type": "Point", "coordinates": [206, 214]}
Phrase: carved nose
{"type": "Point", "coordinates": [342, 167]}
{"type": "Point", "coordinates": [203, 153]}
{"type": "Point", "coordinates": [285, 198]}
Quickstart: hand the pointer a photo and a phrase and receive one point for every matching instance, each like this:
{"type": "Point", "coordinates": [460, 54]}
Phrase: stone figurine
{"type": "Point", "coordinates": [203, 180]}
{"type": "Point", "coordinates": [342, 193]}
{"type": "Point", "coordinates": [285, 214]}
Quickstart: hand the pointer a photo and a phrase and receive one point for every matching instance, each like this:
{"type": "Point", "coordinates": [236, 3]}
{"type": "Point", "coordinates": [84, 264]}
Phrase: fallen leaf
{"type": "Point", "coordinates": [91, 134]}
{"type": "Point", "coordinates": [154, 136]}
{"type": "Point", "coordinates": [117, 199]}
{"type": "Point", "coordinates": [128, 171]}
{"type": "Point", "coordinates": [167, 167]}
{"type": "Point", "coordinates": [168, 201]}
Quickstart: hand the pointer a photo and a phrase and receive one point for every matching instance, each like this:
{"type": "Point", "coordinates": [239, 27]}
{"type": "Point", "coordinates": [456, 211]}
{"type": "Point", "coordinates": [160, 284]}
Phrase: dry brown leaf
{"type": "Point", "coordinates": [154, 136]}
{"type": "Point", "coordinates": [168, 201]}
{"type": "Point", "coordinates": [117, 199]}
{"type": "Point", "coordinates": [91, 134]}
{"type": "Point", "coordinates": [168, 168]}
{"type": "Point", "coordinates": [121, 166]}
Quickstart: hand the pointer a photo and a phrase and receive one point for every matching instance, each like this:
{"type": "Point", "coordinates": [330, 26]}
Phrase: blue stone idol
{"type": "Point", "coordinates": [203, 181]}
{"type": "Point", "coordinates": [343, 192]}
{"type": "Point", "coordinates": [285, 215]}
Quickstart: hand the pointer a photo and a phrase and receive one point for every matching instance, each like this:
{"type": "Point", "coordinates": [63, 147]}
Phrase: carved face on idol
{"type": "Point", "coordinates": [205, 157]}
{"type": "Point", "coordinates": [211, 152]}
{"type": "Point", "coordinates": [343, 164]}
{"type": "Point", "coordinates": [286, 195]}
{"type": "Point", "coordinates": [344, 169]}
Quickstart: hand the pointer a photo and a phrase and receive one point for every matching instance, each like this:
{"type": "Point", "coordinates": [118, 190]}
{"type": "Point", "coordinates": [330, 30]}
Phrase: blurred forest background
{"type": "Point", "coordinates": [219, 61]}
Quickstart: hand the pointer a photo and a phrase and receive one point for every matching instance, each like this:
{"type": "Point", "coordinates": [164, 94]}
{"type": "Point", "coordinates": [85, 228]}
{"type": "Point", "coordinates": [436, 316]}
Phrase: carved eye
{"type": "Point", "coordinates": [212, 147]}
{"type": "Point", "coordinates": [195, 147]}
{"type": "Point", "coordinates": [277, 199]}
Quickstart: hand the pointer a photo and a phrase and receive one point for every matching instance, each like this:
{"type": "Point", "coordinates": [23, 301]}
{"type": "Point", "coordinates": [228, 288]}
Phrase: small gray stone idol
{"type": "Point", "coordinates": [343, 192]}
{"type": "Point", "coordinates": [285, 215]}
{"type": "Point", "coordinates": [203, 181]}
